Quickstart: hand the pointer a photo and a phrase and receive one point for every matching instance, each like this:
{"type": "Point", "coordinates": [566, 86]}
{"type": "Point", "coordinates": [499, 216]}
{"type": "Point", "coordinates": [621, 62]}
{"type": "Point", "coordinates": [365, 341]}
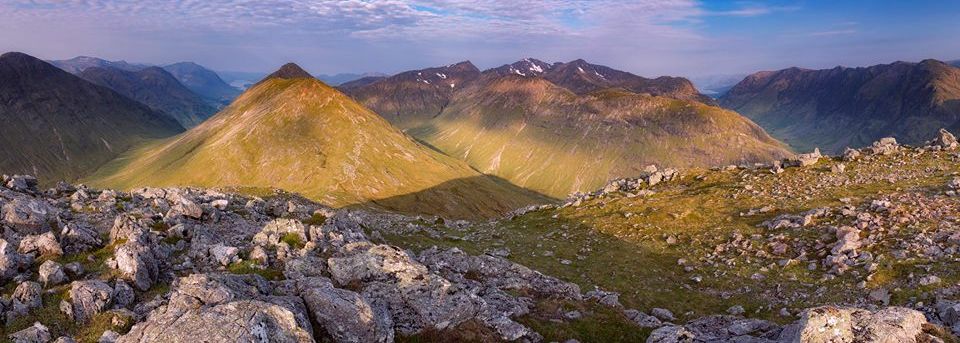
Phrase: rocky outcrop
{"type": "Point", "coordinates": [86, 299]}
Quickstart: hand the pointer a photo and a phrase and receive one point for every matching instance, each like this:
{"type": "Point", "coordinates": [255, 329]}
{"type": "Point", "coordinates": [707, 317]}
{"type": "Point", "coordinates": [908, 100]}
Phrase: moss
{"type": "Point", "coordinates": [293, 240]}
{"type": "Point", "coordinates": [316, 219]}
{"type": "Point", "coordinates": [250, 267]}
{"type": "Point", "coordinates": [159, 225]}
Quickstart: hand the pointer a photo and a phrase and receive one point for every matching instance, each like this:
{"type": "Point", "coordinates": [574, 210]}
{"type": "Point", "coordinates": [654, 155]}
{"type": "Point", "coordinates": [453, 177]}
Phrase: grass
{"type": "Point", "coordinates": [293, 239]}
{"type": "Point", "coordinates": [250, 267]}
{"type": "Point", "coordinates": [315, 219]}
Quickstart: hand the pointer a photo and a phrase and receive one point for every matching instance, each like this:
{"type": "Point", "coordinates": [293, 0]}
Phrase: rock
{"type": "Point", "coordinates": [945, 140]}
{"type": "Point", "coordinates": [274, 231]}
{"type": "Point", "coordinates": [851, 154]}
{"type": "Point", "coordinates": [220, 204]}
{"type": "Point", "coordinates": [27, 293]}
{"type": "Point", "coordinates": [73, 269]}
{"type": "Point", "coordinates": [51, 273]}
{"type": "Point", "coordinates": [76, 238]}
{"type": "Point", "coordinates": [10, 261]}
{"type": "Point", "coordinates": [37, 333]}
{"type": "Point", "coordinates": [803, 160]}
{"type": "Point", "coordinates": [848, 239]}
{"type": "Point", "coordinates": [23, 183]}
{"type": "Point", "coordinates": [671, 334]}
{"type": "Point", "coordinates": [65, 339]}
{"type": "Point", "coordinates": [735, 310]}
{"type": "Point", "coordinates": [663, 314]}
{"type": "Point", "coordinates": [87, 298]}
{"type": "Point", "coordinates": [346, 316]}
{"type": "Point", "coordinates": [223, 254]}
{"type": "Point", "coordinates": [884, 146]}
{"type": "Point", "coordinates": [28, 215]}
{"type": "Point", "coordinates": [929, 280]}
{"type": "Point", "coordinates": [224, 308]}
{"type": "Point", "coordinates": [44, 245]}
{"type": "Point", "coordinates": [123, 295]}
{"type": "Point", "coordinates": [838, 168]}
{"type": "Point", "coordinates": [954, 184]}
{"type": "Point", "coordinates": [139, 263]}
{"type": "Point", "coordinates": [108, 336]}
{"type": "Point", "coordinates": [642, 319]}
{"type": "Point", "coordinates": [304, 267]}
{"type": "Point", "coordinates": [182, 206]}
{"type": "Point", "coordinates": [834, 324]}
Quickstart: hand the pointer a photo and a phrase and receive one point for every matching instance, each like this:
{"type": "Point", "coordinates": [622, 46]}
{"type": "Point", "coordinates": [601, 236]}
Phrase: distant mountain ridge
{"type": "Point", "coordinates": [194, 77]}
{"type": "Point", "coordinates": [341, 78]}
{"type": "Point", "coordinates": [840, 107]}
{"type": "Point", "coordinates": [292, 131]}
{"type": "Point", "coordinates": [59, 126]}
{"type": "Point", "coordinates": [156, 88]}
{"type": "Point", "coordinates": [557, 130]}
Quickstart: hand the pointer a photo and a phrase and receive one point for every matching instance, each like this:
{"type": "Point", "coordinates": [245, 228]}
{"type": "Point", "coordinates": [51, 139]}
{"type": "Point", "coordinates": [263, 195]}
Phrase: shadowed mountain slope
{"type": "Point", "coordinates": [298, 134]}
{"type": "Point", "coordinates": [156, 88]}
{"type": "Point", "coordinates": [203, 81]}
{"type": "Point", "coordinates": [840, 107]}
{"type": "Point", "coordinates": [59, 126]}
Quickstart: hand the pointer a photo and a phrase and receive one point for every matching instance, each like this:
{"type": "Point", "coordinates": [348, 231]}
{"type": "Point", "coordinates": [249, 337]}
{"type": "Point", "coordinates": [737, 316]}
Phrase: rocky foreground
{"type": "Point", "coordinates": [187, 265]}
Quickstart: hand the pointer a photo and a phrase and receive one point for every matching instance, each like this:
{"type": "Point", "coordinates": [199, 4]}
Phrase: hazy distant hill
{"type": "Point", "coordinates": [59, 126]}
{"type": "Point", "coordinates": [80, 63]}
{"type": "Point", "coordinates": [717, 85]}
{"type": "Point", "coordinates": [203, 81]}
{"type": "Point", "coordinates": [156, 88]}
{"type": "Point", "coordinates": [515, 123]}
{"type": "Point", "coordinates": [840, 107]}
{"type": "Point", "coordinates": [338, 79]}
{"type": "Point", "coordinates": [292, 131]}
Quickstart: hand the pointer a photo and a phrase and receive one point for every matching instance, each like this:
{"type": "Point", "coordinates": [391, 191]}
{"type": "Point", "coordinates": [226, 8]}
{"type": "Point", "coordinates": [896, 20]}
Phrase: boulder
{"type": "Point", "coordinates": [836, 324]}
{"type": "Point", "coordinates": [27, 294]}
{"type": "Point", "coordinates": [223, 254]}
{"type": "Point", "coordinates": [77, 237]}
{"type": "Point", "coordinates": [23, 183]}
{"type": "Point", "coordinates": [86, 299]}
{"type": "Point", "coordinates": [803, 160]}
{"type": "Point", "coordinates": [123, 295]}
{"type": "Point", "coordinates": [10, 261]}
{"type": "Point", "coordinates": [346, 316]}
{"type": "Point", "coordinates": [45, 244]}
{"type": "Point", "coordinates": [28, 215]}
{"type": "Point", "coordinates": [225, 308]}
{"type": "Point", "coordinates": [671, 334]}
{"type": "Point", "coordinates": [274, 231]}
{"type": "Point", "coordinates": [945, 140]}
{"type": "Point", "coordinates": [183, 207]}
{"type": "Point", "coordinates": [139, 263]}
{"type": "Point", "coordinates": [884, 146]}
{"type": "Point", "coordinates": [37, 333]}
{"type": "Point", "coordinates": [51, 273]}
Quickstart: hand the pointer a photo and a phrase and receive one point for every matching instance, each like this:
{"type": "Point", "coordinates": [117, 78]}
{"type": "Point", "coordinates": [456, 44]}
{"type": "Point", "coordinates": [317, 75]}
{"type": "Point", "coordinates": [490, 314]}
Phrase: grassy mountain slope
{"type": "Point", "coordinates": [155, 88]}
{"type": "Point", "coordinates": [544, 137]}
{"type": "Point", "coordinates": [301, 135]}
{"type": "Point", "coordinates": [841, 107]}
{"type": "Point", "coordinates": [59, 126]}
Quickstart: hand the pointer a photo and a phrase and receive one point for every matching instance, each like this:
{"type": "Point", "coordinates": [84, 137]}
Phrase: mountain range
{"type": "Point", "coordinates": [563, 127]}
{"type": "Point", "coordinates": [294, 132]}
{"type": "Point", "coordinates": [59, 126]}
{"type": "Point", "coordinates": [156, 88]}
{"type": "Point", "coordinates": [196, 78]}
{"type": "Point", "coordinates": [851, 107]}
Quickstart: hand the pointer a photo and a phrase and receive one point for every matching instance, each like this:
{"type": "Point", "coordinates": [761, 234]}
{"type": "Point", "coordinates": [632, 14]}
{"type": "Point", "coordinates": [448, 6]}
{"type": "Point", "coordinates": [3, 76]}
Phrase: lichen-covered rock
{"type": "Point", "coordinates": [36, 333]}
{"type": "Point", "coordinates": [51, 273]}
{"type": "Point", "coordinates": [27, 294]}
{"type": "Point", "coordinates": [10, 260]}
{"type": "Point", "coordinates": [274, 231]}
{"type": "Point", "coordinates": [835, 324]}
{"type": "Point", "coordinates": [346, 316]}
{"type": "Point", "coordinates": [23, 183]}
{"type": "Point", "coordinates": [45, 244]}
{"type": "Point", "coordinates": [86, 299]}
{"type": "Point", "coordinates": [77, 237]}
{"type": "Point", "coordinates": [225, 308]}
{"type": "Point", "coordinates": [123, 294]}
{"type": "Point", "coordinates": [28, 215]}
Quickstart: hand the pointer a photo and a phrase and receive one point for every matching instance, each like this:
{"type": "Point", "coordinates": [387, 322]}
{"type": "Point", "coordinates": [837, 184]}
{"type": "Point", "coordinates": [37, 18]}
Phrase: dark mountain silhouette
{"type": "Point", "coordinates": [156, 88]}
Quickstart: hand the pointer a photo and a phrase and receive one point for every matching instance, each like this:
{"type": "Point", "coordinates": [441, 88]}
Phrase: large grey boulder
{"type": "Point", "coordinates": [28, 215]}
{"type": "Point", "coordinates": [51, 273]}
{"type": "Point", "coordinates": [224, 308]}
{"type": "Point", "coordinates": [10, 260]}
{"type": "Point", "coordinates": [139, 258]}
{"type": "Point", "coordinates": [77, 237]}
{"type": "Point", "coordinates": [45, 244]}
{"type": "Point", "coordinates": [86, 299]}
{"type": "Point", "coordinates": [23, 183]}
{"type": "Point", "coordinates": [28, 295]}
{"type": "Point", "coordinates": [36, 333]}
{"type": "Point", "coordinates": [418, 300]}
{"type": "Point", "coordinates": [837, 324]}
{"type": "Point", "coordinates": [346, 316]}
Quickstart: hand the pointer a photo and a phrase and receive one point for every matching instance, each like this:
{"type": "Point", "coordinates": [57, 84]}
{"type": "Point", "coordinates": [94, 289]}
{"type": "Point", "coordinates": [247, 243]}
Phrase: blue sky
{"type": "Point", "coordinates": [648, 37]}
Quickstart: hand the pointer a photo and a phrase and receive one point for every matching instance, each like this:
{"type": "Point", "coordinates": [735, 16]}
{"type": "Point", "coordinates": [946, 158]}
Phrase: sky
{"type": "Point", "coordinates": [648, 37]}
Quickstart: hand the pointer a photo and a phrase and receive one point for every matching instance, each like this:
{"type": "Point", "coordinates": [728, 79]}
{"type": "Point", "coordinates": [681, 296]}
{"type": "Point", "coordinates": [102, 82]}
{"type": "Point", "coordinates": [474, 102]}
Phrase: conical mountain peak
{"type": "Point", "coordinates": [289, 71]}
